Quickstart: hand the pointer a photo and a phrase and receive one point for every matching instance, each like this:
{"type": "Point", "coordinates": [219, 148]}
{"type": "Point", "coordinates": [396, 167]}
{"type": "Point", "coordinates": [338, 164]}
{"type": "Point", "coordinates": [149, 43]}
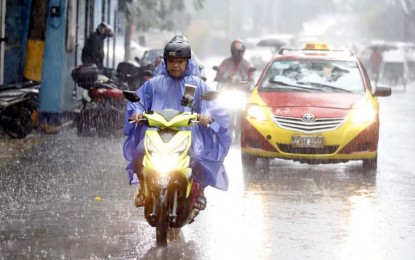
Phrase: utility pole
{"type": "Point", "coordinates": [122, 6]}
{"type": "Point", "coordinates": [2, 38]}
{"type": "Point", "coordinates": [408, 7]}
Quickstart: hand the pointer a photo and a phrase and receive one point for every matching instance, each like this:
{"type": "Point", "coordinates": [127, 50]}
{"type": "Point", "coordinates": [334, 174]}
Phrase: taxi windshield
{"type": "Point", "coordinates": [313, 76]}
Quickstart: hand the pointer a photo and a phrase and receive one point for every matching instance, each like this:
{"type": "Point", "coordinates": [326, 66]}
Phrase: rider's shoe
{"type": "Point", "coordinates": [139, 200]}
{"type": "Point", "coordinates": [200, 200]}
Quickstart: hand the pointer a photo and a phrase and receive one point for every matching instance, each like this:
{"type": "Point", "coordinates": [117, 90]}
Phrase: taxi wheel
{"type": "Point", "coordinates": [370, 164]}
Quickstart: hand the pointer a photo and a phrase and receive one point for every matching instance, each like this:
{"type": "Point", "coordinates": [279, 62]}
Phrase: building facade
{"type": "Point", "coordinates": [42, 40]}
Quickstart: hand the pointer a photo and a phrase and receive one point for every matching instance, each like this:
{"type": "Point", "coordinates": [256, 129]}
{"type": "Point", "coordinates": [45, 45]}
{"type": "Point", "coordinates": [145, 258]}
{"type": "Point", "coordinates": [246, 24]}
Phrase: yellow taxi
{"type": "Point", "coordinates": [313, 105]}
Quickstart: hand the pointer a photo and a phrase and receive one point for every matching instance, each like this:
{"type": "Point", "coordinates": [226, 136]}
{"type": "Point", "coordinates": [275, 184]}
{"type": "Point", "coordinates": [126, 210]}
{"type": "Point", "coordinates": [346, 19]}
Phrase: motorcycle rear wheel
{"type": "Point", "coordinates": [17, 124]}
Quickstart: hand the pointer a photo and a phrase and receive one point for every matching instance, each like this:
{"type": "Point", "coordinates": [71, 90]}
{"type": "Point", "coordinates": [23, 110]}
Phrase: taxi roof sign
{"type": "Point", "coordinates": [316, 46]}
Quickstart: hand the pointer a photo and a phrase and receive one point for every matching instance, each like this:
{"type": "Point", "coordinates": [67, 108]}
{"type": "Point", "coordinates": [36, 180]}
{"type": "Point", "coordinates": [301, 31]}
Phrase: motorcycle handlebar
{"type": "Point", "coordinates": [131, 121]}
{"type": "Point", "coordinates": [192, 121]}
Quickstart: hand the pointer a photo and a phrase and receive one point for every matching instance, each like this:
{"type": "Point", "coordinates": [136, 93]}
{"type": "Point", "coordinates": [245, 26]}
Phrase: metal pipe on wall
{"type": "Point", "coordinates": [2, 38]}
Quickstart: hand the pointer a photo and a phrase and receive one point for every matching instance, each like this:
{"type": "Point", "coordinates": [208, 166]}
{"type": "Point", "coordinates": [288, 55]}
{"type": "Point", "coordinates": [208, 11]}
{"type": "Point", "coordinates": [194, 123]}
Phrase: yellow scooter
{"type": "Point", "coordinates": [169, 189]}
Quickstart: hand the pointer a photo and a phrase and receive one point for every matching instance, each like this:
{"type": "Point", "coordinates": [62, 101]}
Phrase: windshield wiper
{"type": "Point", "coordinates": [325, 86]}
{"type": "Point", "coordinates": [285, 84]}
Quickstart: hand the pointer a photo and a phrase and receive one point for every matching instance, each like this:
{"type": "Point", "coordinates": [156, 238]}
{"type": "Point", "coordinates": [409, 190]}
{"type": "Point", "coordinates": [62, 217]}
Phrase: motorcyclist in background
{"type": "Point", "coordinates": [93, 50]}
{"type": "Point", "coordinates": [235, 65]}
{"type": "Point", "coordinates": [210, 138]}
{"type": "Point", "coordinates": [193, 66]}
{"type": "Point", "coordinates": [376, 60]}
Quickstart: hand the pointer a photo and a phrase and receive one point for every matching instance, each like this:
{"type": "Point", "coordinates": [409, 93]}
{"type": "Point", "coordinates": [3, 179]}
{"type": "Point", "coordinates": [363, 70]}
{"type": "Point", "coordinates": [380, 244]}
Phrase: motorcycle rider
{"type": "Point", "coordinates": [376, 60]}
{"type": "Point", "coordinates": [235, 65]}
{"type": "Point", "coordinates": [210, 144]}
{"type": "Point", "coordinates": [93, 50]}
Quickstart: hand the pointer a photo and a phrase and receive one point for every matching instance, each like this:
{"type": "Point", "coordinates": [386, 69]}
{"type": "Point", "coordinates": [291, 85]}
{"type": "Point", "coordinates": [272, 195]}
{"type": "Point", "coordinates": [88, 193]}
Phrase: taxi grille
{"type": "Point", "coordinates": [299, 125]}
{"type": "Point", "coordinates": [286, 148]}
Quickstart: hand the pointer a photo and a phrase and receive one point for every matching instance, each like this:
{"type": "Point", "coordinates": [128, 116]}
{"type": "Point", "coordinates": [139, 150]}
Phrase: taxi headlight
{"type": "Point", "coordinates": [365, 113]}
{"type": "Point", "coordinates": [257, 113]}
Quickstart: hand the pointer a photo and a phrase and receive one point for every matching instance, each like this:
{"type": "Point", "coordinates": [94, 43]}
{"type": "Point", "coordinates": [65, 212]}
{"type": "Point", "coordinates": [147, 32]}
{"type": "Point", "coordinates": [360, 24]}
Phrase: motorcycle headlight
{"type": "Point", "coordinates": [364, 113]}
{"type": "Point", "coordinates": [166, 161]}
{"type": "Point", "coordinates": [232, 99]}
{"type": "Point", "coordinates": [257, 113]}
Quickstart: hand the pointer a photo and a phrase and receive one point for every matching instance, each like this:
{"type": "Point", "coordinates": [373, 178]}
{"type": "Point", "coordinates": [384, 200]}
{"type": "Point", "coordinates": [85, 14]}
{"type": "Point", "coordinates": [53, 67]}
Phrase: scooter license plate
{"type": "Point", "coordinates": [307, 141]}
{"type": "Point", "coordinates": [163, 181]}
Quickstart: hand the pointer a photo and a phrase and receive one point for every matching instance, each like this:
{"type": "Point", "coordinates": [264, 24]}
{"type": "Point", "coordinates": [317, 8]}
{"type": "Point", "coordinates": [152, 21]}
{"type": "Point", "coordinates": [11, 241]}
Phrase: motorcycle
{"type": "Point", "coordinates": [234, 92]}
{"type": "Point", "coordinates": [103, 102]}
{"type": "Point", "coordinates": [169, 189]}
{"type": "Point", "coordinates": [132, 74]}
{"type": "Point", "coordinates": [19, 108]}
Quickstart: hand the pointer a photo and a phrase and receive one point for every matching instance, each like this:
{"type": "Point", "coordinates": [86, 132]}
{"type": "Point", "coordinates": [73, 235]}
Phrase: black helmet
{"type": "Point", "coordinates": [179, 37]}
{"type": "Point", "coordinates": [105, 29]}
{"type": "Point", "coordinates": [177, 47]}
{"type": "Point", "coordinates": [237, 49]}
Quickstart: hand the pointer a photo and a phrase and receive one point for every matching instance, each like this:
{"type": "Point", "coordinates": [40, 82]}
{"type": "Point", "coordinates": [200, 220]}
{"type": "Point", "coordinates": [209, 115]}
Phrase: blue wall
{"type": "Point", "coordinates": [16, 26]}
{"type": "Point", "coordinates": [56, 93]}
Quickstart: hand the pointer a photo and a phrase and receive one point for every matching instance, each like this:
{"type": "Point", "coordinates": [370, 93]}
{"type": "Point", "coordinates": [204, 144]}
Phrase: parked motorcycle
{"type": "Point", "coordinates": [234, 92]}
{"type": "Point", "coordinates": [19, 108]}
{"type": "Point", "coordinates": [103, 103]}
{"type": "Point", "coordinates": [169, 189]}
{"type": "Point", "coordinates": [132, 74]}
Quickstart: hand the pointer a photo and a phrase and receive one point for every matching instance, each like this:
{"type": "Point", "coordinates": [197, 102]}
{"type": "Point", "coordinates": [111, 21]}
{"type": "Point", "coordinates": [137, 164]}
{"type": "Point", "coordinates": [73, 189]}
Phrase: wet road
{"type": "Point", "coordinates": [67, 197]}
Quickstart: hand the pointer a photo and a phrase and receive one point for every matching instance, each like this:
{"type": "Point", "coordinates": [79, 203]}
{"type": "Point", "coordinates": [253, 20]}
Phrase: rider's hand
{"type": "Point", "coordinates": [136, 117]}
{"type": "Point", "coordinates": [204, 119]}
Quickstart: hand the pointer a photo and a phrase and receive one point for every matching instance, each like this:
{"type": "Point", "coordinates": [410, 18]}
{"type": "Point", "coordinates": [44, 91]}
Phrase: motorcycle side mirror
{"type": "Point", "coordinates": [131, 96]}
{"type": "Point", "coordinates": [189, 93]}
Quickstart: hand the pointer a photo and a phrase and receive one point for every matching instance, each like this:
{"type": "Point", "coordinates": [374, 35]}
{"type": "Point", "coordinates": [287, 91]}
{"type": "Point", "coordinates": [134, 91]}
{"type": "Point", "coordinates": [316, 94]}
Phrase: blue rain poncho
{"type": "Point", "coordinates": [210, 144]}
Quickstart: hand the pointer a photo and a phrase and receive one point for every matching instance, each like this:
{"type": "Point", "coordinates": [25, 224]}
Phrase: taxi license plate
{"type": "Point", "coordinates": [307, 141]}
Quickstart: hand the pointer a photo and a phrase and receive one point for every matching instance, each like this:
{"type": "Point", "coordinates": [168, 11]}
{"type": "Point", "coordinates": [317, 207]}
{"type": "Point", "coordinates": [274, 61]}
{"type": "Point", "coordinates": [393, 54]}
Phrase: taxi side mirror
{"type": "Point", "coordinates": [382, 91]}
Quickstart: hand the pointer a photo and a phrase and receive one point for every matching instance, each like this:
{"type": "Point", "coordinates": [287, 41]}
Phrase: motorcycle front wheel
{"type": "Point", "coordinates": [17, 123]}
{"type": "Point", "coordinates": [162, 226]}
